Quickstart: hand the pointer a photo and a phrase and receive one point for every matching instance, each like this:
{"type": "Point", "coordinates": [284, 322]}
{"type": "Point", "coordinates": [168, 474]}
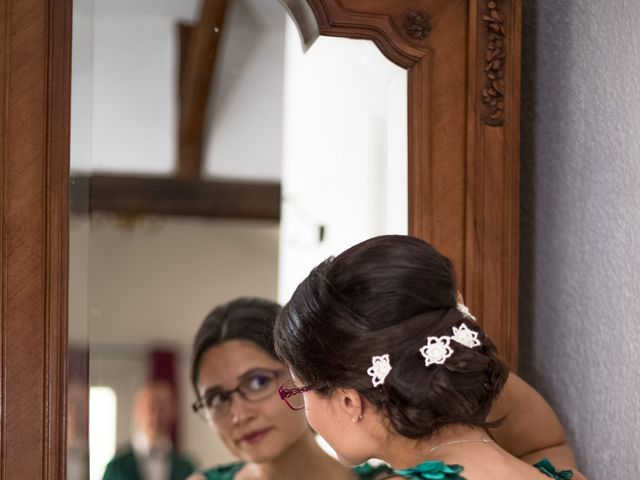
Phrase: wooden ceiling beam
{"type": "Point", "coordinates": [199, 46]}
{"type": "Point", "coordinates": [149, 195]}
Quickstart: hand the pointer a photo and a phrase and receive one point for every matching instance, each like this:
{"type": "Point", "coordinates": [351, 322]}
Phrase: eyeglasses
{"type": "Point", "coordinates": [254, 386]}
{"type": "Point", "coordinates": [292, 394]}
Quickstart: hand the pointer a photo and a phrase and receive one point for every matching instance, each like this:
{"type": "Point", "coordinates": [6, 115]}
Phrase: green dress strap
{"type": "Point", "coordinates": [366, 471]}
{"type": "Point", "coordinates": [432, 471]}
{"type": "Point", "coordinates": [225, 472]}
{"type": "Point", "coordinates": [546, 467]}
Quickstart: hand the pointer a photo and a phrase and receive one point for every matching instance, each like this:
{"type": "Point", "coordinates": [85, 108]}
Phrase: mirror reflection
{"type": "Point", "coordinates": [198, 178]}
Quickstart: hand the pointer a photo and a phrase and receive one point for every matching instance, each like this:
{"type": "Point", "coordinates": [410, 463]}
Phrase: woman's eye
{"type": "Point", "coordinates": [212, 401]}
{"type": "Point", "coordinates": [259, 382]}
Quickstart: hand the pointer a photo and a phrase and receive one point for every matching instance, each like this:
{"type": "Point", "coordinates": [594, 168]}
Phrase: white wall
{"type": "Point", "coordinates": [245, 122]}
{"type": "Point", "coordinates": [580, 253]}
{"type": "Point", "coordinates": [345, 151]}
{"type": "Point", "coordinates": [81, 85]}
{"type": "Point", "coordinates": [124, 71]}
{"type": "Point", "coordinates": [134, 94]}
{"type": "Point", "coordinates": [168, 272]}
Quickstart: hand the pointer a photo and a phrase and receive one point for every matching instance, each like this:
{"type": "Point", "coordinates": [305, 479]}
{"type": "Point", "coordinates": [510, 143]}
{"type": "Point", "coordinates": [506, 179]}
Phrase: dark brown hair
{"type": "Point", "coordinates": [386, 296]}
{"type": "Point", "coordinates": [244, 318]}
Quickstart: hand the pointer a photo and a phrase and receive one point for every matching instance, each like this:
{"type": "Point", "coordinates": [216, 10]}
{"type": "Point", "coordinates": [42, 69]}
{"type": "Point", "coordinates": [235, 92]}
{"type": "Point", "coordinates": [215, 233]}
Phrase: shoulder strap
{"type": "Point", "coordinates": [224, 472]}
{"type": "Point", "coordinates": [546, 467]}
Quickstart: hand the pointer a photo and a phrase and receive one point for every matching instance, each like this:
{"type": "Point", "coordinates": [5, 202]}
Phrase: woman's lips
{"type": "Point", "coordinates": [256, 436]}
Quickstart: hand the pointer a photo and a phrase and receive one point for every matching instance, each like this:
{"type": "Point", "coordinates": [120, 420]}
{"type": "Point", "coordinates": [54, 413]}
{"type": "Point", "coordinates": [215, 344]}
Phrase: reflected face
{"type": "Point", "coordinates": [257, 431]}
{"type": "Point", "coordinates": [154, 410]}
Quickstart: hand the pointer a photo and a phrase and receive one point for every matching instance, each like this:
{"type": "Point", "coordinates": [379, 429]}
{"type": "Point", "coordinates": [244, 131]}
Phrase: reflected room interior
{"type": "Point", "coordinates": [212, 157]}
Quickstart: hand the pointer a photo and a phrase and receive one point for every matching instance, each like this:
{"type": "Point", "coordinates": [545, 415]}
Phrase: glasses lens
{"type": "Point", "coordinates": [295, 400]}
{"type": "Point", "coordinates": [259, 385]}
{"type": "Point", "coordinates": [214, 405]}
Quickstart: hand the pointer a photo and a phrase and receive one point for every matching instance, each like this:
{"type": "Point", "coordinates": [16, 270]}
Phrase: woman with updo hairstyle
{"type": "Point", "coordinates": [387, 364]}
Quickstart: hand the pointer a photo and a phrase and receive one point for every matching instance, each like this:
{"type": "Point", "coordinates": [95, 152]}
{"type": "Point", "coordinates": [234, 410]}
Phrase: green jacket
{"type": "Point", "coordinates": [124, 467]}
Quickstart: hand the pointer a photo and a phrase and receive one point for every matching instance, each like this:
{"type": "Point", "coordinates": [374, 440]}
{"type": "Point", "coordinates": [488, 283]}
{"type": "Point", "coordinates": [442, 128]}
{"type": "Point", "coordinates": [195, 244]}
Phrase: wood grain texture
{"type": "Point", "coordinates": [200, 54]}
{"type": "Point", "coordinates": [35, 70]}
{"type": "Point", "coordinates": [493, 172]}
{"type": "Point", "coordinates": [463, 137]}
{"type": "Point", "coordinates": [463, 191]}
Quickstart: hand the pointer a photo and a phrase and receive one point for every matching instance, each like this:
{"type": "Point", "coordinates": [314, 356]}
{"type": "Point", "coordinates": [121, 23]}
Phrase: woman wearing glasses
{"type": "Point", "coordinates": [236, 375]}
{"type": "Point", "coordinates": [388, 365]}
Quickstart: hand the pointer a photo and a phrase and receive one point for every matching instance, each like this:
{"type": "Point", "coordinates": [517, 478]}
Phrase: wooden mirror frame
{"type": "Point", "coordinates": [463, 62]}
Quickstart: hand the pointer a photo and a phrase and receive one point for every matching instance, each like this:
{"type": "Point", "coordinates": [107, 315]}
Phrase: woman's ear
{"type": "Point", "coordinates": [351, 403]}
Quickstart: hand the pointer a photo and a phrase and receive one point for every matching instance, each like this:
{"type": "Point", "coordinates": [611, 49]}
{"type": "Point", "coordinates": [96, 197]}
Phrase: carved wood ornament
{"type": "Point", "coordinates": [417, 25]}
{"type": "Point", "coordinates": [462, 61]}
{"type": "Point", "coordinates": [493, 93]}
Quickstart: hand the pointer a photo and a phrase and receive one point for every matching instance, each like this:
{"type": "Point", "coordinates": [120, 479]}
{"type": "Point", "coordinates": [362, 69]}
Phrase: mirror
{"type": "Point", "coordinates": [463, 179]}
{"type": "Point", "coordinates": [298, 156]}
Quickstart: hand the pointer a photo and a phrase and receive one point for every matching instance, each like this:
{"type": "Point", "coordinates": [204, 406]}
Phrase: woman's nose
{"type": "Point", "coordinates": [240, 410]}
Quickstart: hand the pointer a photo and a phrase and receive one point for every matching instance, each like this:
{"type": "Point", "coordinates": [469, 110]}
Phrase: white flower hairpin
{"type": "Point", "coordinates": [379, 369]}
{"type": "Point", "coordinates": [465, 336]}
{"type": "Point", "coordinates": [437, 350]}
{"type": "Point", "coordinates": [464, 310]}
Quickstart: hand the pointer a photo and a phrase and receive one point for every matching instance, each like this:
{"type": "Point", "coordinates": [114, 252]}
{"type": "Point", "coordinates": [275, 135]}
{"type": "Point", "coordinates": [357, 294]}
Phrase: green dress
{"type": "Point", "coordinates": [124, 467]}
{"type": "Point", "coordinates": [228, 472]}
{"type": "Point", "coordinates": [441, 471]}
{"type": "Point", "coordinates": [424, 471]}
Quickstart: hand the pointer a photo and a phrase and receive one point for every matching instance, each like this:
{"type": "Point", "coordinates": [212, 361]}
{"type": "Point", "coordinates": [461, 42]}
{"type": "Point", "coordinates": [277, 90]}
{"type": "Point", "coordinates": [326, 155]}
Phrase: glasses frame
{"type": "Point", "coordinates": [200, 408]}
{"type": "Point", "coordinates": [287, 393]}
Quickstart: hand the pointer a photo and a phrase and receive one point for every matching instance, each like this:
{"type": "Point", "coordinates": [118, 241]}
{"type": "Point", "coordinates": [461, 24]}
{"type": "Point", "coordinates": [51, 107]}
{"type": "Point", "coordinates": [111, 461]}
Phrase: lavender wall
{"type": "Point", "coordinates": [580, 234]}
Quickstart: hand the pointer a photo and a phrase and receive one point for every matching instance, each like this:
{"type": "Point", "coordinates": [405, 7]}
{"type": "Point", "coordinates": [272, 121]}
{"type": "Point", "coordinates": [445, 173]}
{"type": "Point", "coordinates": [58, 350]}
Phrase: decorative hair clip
{"type": "Point", "coordinates": [379, 369]}
{"type": "Point", "coordinates": [464, 310]}
{"type": "Point", "coordinates": [437, 350]}
{"type": "Point", "coordinates": [465, 336]}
